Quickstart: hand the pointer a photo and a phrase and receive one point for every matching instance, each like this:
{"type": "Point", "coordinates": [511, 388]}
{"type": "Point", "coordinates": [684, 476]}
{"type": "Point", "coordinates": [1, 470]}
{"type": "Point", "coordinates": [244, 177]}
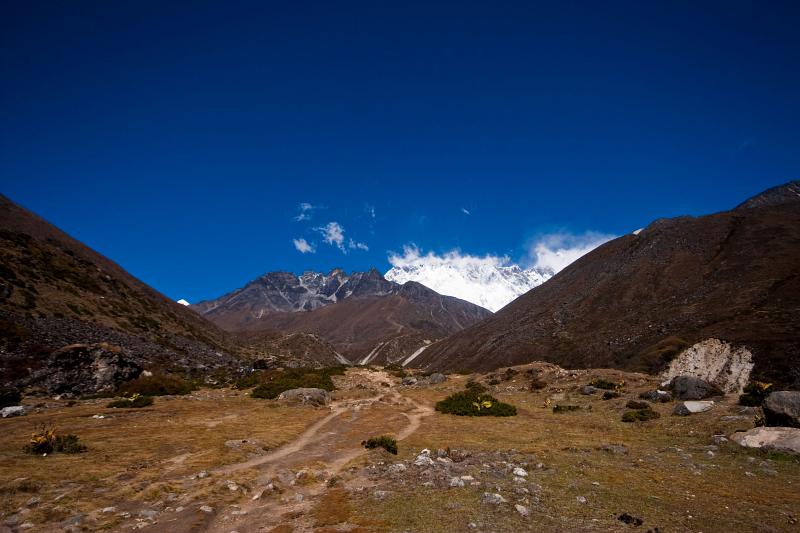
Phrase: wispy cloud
{"type": "Point", "coordinates": [305, 211]}
{"type": "Point", "coordinates": [303, 246]}
{"type": "Point", "coordinates": [333, 234]}
{"type": "Point", "coordinates": [554, 251]}
{"type": "Point", "coordinates": [369, 210]}
{"type": "Point", "coordinates": [353, 245]}
{"type": "Point", "coordinates": [465, 211]}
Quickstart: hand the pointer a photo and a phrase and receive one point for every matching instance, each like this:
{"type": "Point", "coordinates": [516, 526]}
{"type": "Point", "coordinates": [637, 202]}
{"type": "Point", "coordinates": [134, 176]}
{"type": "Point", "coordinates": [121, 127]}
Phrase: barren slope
{"type": "Point", "coordinates": [633, 302]}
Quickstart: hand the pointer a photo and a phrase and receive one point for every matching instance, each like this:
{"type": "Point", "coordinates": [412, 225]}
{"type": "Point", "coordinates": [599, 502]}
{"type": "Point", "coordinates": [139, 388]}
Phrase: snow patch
{"type": "Point", "coordinates": [183, 302]}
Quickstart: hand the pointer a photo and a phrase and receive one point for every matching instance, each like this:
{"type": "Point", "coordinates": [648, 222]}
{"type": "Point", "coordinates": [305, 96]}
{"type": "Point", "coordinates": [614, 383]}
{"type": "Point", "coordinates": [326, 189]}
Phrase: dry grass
{"type": "Point", "coordinates": [137, 456]}
{"type": "Point", "coordinates": [657, 480]}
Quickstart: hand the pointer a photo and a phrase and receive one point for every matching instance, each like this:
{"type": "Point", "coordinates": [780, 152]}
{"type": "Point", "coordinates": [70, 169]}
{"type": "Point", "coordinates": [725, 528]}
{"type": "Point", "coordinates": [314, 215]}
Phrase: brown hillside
{"type": "Point", "coordinates": [633, 302]}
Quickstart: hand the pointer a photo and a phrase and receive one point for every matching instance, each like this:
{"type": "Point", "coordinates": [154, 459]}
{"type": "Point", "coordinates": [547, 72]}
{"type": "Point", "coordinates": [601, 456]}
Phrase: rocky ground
{"type": "Point", "coordinates": [218, 460]}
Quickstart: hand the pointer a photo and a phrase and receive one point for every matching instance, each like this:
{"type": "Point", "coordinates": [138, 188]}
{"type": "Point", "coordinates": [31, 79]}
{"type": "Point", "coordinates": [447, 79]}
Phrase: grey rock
{"type": "Point", "coordinates": [306, 396]}
{"type": "Point", "coordinates": [436, 378]}
{"type": "Point", "coordinates": [692, 388]}
{"type": "Point", "coordinates": [777, 439]}
{"type": "Point", "coordinates": [782, 408]}
{"type": "Point", "coordinates": [588, 390]}
{"type": "Point", "coordinates": [409, 380]}
{"type": "Point", "coordinates": [79, 369]}
{"type": "Point", "coordinates": [692, 407]}
{"type": "Point", "coordinates": [492, 498]}
{"type": "Point", "coordinates": [657, 395]}
{"type": "Point", "coordinates": [522, 510]}
{"type": "Point", "coordinates": [14, 410]}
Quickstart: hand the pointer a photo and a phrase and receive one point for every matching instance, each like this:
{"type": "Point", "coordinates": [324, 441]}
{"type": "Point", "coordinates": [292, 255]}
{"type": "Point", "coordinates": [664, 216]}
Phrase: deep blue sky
{"type": "Point", "coordinates": [179, 139]}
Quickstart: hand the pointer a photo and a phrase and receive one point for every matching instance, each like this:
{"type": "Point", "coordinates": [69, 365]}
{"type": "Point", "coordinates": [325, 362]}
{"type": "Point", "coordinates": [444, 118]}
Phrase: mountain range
{"type": "Point", "coordinates": [638, 300]}
{"type": "Point", "coordinates": [634, 303]}
{"type": "Point", "coordinates": [483, 281]}
{"type": "Point", "coordinates": [367, 318]}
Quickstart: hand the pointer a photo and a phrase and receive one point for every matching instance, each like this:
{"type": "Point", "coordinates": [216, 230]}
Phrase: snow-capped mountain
{"type": "Point", "coordinates": [183, 302]}
{"type": "Point", "coordinates": [486, 281]}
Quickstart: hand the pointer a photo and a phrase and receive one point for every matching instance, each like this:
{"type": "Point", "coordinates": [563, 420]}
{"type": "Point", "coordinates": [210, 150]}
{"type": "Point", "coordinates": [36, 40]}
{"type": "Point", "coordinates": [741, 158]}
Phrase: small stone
{"type": "Point", "coordinates": [202, 474]}
{"type": "Point", "coordinates": [581, 499]}
{"type": "Point", "coordinates": [108, 510]}
{"type": "Point", "coordinates": [206, 508]}
{"type": "Point", "coordinates": [520, 472]}
{"type": "Point", "coordinates": [522, 510]}
{"type": "Point", "coordinates": [456, 482]}
{"type": "Point", "coordinates": [14, 410]}
{"type": "Point", "coordinates": [492, 498]}
{"type": "Point", "coordinates": [148, 513]}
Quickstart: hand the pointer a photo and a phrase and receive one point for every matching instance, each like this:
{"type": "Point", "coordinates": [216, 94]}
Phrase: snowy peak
{"type": "Point", "coordinates": [485, 281]}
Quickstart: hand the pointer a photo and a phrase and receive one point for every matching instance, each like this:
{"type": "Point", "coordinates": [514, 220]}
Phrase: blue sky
{"type": "Point", "coordinates": [181, 139]}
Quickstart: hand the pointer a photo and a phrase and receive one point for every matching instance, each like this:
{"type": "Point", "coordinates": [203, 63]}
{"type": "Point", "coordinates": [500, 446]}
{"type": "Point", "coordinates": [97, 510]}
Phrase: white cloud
{"type": "Point", "coordinates": [490, 281]}
{"type": "Point", "coordinates": [369, 210]}
{"type": "Point", "coordinates": [465, 211]}
{"type": "Point", "coordinates": [353, 245]}
{"type": "Point", "coordinates": [304, 246]}
{"type": "Point", "coordinates": [555, 251]}
{"type": "Point", "coordinates": [306, 211]}
{"type": "Point", "coordinates": [333, 234]}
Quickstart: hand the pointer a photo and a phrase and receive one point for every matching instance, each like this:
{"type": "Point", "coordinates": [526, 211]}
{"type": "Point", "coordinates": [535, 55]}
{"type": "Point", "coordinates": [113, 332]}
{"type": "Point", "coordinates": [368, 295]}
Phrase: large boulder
{"type": "Point", "coordinates": [774, 439]}
{"type": "Point", "coordinates": [306, 396]}
{"type": "Point", "coordinates": [14, 410]}
{"type": "Point", "coordinates": [782, 408]}
{"type": "Point", "coordinates": [80, 369]}
{"type": "Point", "coordinates": [722, 364]}
{"type": "Point", "coordinates": [692, 388]}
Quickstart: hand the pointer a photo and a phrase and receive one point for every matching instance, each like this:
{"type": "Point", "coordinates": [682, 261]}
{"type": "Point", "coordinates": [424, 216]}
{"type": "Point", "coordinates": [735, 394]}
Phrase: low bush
{"type": "Point", "coordinates": [384, 441]}
{"type": "Point", "coordinates": [610, 395]}
{"type": "Point", "coordinates": [45, 441]}
{"type": "Point", "coordinates": [474, 402]}
{"type": "Point", "coordinates": [395, 369]}
{"type": "Point", "coordinates": [755, 393]}
{"type": "Point", "coordinates": [156, 385]}
{"type": "Point", "coordinates": [565, 408]}
{"type": "Point", "coordinates": [9, 396]}
{"type": "Point", "coordinates": [640, 415]}
{"type": "Point", "coordinates": [249, 381]}
{"type": "Point", "coordinates": [136, 401]}
{"type": "Point", "coordinates": [606, 385]}
{"type": "Point", "coordinates": [275, 382]}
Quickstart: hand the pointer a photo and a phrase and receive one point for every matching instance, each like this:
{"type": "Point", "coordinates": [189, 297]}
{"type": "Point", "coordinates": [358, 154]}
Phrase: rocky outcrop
{"type": "Point", "coordinates": [80, 369]}
{"type": "Point", "coordinates": [782, 408]}
{"type": "Point", "coordinates": [723, 365]}
{"type": "Point", "coordinates": [776, 439]}
{"type": "Point", "coordinates": [692, 388]}
{"type": "Point", "coordinates": [306, 396]}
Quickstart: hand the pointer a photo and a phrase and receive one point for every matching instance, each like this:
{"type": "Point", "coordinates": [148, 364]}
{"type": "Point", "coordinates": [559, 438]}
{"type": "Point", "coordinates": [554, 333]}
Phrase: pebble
{"type": "Point", "coordinates": [581, 499]}
{"type": "Point", "coordinates": [522, 510]}
{"type": "Point", "coordinates": [206, 508]}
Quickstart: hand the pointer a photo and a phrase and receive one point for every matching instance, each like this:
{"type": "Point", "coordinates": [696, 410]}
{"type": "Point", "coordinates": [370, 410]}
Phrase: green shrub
{"type": "Point", "coordinates": [755, 393]}
{"type": "Point", "coordinates": [384, 441]}
{"type": "Point", "coordinates": [610, 395]}
{"type": "Point", "coordinates": [134, 402]}
{"type": "Point", "coordinates": [248, 381]}
{"type": "Point", "coordinates": [606, 385]}
{"type": "Point", "coordinates": [474, 402]}
{"type": "Point", "coordinates": [9, 396]}
{"type": "Point", "coordinates": [565, 408]}
{"type": "Point", "coordinates": [275, 382]}
{"type": "Point", "coordinates": [46, 441]}
{"type": "Point", "coordinates": [640, 415]}
{"type": "Point", "coordinates": [156, 385]}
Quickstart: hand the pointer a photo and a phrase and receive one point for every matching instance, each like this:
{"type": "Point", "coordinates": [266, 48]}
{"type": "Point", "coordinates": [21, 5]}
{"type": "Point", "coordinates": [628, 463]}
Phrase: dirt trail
{"type": "Point", "coordinates": [328, 445]}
